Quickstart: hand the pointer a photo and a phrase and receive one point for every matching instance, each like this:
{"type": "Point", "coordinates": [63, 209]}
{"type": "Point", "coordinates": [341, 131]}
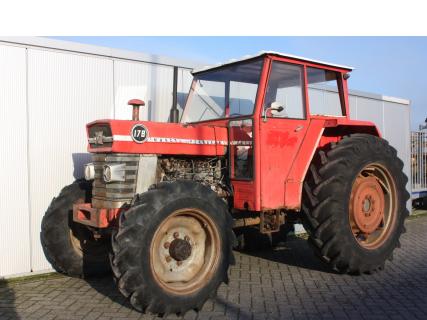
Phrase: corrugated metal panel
{"type": "Point", "coordinates": [353, 106]}
{"type": "Point", "coordinates": [14, 211]}
{"type": "Point", "coordinates": [371, 110]}
{"type": "Point", "coordinates": [65, 92]}
{"type": "Point", "coordinates": [184, 83]}
{"type": "Point", "coordinates": [75, 47]}
{"type": "Point", "coordinates": [398, 133]}
{"type": "Point", "coordinates": [151, 83]}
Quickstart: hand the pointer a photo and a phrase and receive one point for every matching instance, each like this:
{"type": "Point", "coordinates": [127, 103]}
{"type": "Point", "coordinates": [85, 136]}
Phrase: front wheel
{"type": "Point", "coordinates": [354, 203]}
{"type": "Point", "coordinates": [173, 248]}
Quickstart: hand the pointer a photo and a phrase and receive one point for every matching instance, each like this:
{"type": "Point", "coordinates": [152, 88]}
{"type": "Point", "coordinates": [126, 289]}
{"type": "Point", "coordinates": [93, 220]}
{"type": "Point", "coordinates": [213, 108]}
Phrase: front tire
{"type": "Point", "coordinates": [69, 246]}
{"type": "Point", "coordinates": [354, 203]}
{"type": "Point", "coordinates": [173, 248]}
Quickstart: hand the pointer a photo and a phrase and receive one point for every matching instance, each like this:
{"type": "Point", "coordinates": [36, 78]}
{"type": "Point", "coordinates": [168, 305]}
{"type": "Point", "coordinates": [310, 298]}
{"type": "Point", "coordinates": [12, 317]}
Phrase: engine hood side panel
{"type": "Point", "coordinates": [165, 138]}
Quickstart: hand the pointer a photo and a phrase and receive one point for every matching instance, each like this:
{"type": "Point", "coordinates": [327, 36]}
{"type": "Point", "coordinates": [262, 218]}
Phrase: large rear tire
{"type": "Point", "coordinates": [70, 247]}
{"type": "Point", "coordinates": [354, 203]}
{"type": "Point", "coordinates": [173, 248]}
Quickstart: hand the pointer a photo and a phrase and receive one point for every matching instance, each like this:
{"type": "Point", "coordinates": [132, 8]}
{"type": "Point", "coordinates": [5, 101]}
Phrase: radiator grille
{"type": "Point", "coordinates": [100, 136]}
{"type": "Point", "coordinates": [122, 191]}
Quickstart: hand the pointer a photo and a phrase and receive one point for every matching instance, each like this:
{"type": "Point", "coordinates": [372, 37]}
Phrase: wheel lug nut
{"type": "Point", "coordinates": [187, 238]}
{"type": "Point", "coordinates": [166, 245]}
{"type": "Point", "coordinates": [175, 235]}
{"type": "Point", "coordinates": [168, 259]}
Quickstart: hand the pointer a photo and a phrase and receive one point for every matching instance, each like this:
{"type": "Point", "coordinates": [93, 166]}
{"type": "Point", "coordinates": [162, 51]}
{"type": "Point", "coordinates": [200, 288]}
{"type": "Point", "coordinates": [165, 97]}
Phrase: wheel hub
{"type": "Point", "coordinates": [367, 204]}
{"type": "Point", "coordinates": [180, 249]}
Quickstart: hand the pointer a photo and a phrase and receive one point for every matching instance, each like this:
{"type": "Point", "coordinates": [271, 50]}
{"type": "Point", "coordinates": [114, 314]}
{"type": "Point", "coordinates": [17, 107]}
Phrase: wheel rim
{"type": "Point", "coordinates": [75, 241]}
{"type": "Point", "coordinates": [185, 251]}
{"type": "Point", "coordinates": [373, 206]}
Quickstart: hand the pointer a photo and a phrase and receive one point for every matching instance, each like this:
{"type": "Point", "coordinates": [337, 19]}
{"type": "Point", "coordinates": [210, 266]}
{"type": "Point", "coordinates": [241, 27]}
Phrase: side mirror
{"type": "Point", "coordinates": [274, 108]}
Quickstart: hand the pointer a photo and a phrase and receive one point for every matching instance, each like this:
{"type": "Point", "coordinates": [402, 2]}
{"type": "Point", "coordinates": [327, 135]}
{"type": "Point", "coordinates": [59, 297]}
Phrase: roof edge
{"type": "Point", "coordinates": [261, 53]}
{"type": "Point", "coordinates": [76, 47]}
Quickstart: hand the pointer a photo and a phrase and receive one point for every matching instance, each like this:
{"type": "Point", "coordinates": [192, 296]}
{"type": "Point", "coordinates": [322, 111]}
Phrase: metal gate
{"type": "Point", "coordinates": [419, 163]}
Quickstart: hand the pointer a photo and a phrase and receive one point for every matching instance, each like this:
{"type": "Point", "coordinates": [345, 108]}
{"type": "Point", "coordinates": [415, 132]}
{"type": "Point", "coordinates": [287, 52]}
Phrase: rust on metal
{"type": "Point", "coordinates": [244, 222]}
{"type": "Point", "coordinates": [180, 249]}
{"type": "Point", "coordinates": [373, 206]}
{"type": "Point", "coordinates": [367, 205]}
{"type": "Point", "coordinates": [189, 264]}
{"type": "Point", "coordinates": [86, 214]}
{"type": "Point", "coordinates": [270, 221]}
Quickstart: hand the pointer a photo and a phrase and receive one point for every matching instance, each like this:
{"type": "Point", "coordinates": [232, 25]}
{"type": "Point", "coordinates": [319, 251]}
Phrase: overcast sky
{"type": "Point", "coordinates": [392, 66]}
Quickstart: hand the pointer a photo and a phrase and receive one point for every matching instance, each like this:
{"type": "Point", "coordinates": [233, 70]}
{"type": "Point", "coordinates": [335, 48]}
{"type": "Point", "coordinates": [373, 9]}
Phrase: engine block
{"type": "Point", "coordinates": [208, 171]}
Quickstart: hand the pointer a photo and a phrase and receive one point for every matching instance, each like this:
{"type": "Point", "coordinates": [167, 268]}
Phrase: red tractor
{"type": "Point", "coordinates": [262, 142]}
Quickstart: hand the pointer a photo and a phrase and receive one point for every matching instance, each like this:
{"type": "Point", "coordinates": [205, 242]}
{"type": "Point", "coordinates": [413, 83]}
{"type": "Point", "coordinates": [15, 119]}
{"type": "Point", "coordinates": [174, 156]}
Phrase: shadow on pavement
{"type": "Point", "coordinates": [108, 288]}
{"type": "Point", "coordinates": [295, 251]}
{"type": "Point", "coordinates": [7, 301]}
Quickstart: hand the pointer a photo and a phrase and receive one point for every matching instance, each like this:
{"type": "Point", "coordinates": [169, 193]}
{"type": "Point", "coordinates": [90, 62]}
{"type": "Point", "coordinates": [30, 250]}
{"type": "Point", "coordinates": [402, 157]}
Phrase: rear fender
{"type": "Point", "coordinates": [320, 133]}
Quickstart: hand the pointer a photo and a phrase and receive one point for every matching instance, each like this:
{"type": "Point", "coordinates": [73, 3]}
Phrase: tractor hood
{"type": "Point", "coordinates": [145, 137]}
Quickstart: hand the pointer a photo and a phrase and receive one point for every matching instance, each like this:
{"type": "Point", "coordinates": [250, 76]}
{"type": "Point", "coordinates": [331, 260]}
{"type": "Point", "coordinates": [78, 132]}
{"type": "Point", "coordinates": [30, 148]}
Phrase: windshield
{"type": "Point", "coordinates": [225, 92]}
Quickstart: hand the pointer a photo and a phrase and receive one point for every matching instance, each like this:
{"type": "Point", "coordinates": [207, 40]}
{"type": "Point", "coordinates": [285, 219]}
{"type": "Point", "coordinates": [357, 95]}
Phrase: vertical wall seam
{"type": "Point", "coordinates": [383, 118]}
{"type": "Point", "coordinates": [28, 158]}
{"type": "Point", "coordinates": [357, 107]}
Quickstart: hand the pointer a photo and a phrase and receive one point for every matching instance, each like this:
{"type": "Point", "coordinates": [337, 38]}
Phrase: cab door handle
{"type": "Point", "coordinates": [298, 128]}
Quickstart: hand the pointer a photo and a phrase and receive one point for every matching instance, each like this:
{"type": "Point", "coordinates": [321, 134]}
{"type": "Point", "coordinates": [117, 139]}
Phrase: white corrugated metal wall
{"type": "Point", "coordinates": [47, 97]}
{"type": "Point", "coordinates": [14, 206]}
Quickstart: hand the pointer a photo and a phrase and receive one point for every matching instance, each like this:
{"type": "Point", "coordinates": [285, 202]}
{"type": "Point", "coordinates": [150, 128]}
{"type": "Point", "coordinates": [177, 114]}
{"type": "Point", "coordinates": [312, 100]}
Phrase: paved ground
{"type": "Point", "coordinates": [286, 283]}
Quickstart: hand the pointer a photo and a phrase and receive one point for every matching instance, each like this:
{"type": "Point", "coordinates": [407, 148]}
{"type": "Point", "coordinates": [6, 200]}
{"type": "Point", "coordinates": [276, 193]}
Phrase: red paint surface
{"type": "Point", "coordinates": [84, 213]}
{"type": "Point", "coordinates": [166, 130]}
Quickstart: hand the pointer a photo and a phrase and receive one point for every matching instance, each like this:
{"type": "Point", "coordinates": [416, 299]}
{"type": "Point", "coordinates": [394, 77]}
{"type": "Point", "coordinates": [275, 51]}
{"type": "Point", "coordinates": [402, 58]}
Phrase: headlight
{"type": "Point", "coordinates": [89, 170]}
{"type": "Point", "coordinates": [114, 172]}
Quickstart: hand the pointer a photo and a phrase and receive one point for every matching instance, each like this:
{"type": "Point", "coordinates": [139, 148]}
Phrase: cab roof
{"type": "Point", "coordinates": [263, 53]}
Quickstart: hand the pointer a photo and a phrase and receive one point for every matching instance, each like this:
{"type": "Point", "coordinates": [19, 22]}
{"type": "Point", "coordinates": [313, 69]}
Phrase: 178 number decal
{"type": "Point", "coordinates": [139, 133]}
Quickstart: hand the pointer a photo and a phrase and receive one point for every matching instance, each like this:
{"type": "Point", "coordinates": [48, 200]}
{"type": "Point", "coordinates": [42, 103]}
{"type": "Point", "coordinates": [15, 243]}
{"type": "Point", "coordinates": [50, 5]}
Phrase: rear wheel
{"type": "Point", "coordinates": [173, 248]}
{"type": "Point", "coordinates": [70, 247]}
{"type": "Point", "coordinates": [354, 203]}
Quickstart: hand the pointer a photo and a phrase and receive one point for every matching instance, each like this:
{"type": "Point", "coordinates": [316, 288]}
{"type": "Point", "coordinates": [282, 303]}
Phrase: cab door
{"type": "Point", "coordinates": [281, 132]}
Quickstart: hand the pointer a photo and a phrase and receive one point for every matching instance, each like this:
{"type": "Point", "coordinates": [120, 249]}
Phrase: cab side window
{"type": "Point", "coordinates": [285, 86]}
{"type": "Point", "coordinates": [323, 92]}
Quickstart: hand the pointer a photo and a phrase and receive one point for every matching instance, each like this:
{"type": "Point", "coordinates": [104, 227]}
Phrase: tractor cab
{"type": "Point", "coordinates": [268, 103]}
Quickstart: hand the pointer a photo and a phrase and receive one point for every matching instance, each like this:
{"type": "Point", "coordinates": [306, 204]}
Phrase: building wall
{"type": "Point", "coordinates": [47, 97]}
{"type": "Point", "coordinates": [49, 90]}
{"type": "Point", "coordinates": [14, 204]}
